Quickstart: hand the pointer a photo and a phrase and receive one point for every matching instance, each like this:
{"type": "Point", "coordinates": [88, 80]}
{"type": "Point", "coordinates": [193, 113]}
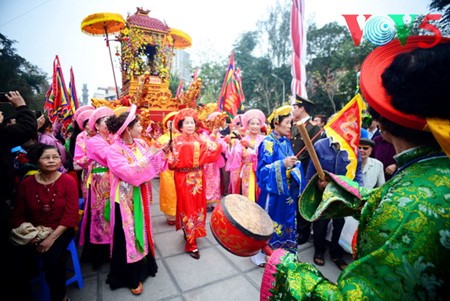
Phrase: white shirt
{"type": "Point", "coordinates": [373, 173]}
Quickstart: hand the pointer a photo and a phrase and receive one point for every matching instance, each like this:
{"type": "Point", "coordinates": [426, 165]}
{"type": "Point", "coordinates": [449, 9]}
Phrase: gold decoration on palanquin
{"type": "Point", "coordinates": [188, 98]}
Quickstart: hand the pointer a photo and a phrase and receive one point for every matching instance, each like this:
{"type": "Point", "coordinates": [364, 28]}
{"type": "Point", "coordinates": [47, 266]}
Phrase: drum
{"type": "Point", "coordinates": [241, 226]}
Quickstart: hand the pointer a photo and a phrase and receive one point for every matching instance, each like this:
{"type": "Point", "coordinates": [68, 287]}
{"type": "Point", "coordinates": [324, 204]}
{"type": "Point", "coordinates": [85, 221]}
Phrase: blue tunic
{"type": "Point", "coordinates": [280, 189]}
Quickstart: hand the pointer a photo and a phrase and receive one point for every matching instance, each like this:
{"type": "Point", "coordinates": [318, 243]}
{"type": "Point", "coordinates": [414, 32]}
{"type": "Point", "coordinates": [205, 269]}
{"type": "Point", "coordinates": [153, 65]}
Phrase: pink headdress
{"type": "Point", "coordinates": [98, 113]}
{"type": "Point", "coordinates": [253, 113]}
{"type": "Point", "coordinates": [131, 116]}
{"type": "Point", "coordinates": [80, 110]}
{"type": "Point", "coordinates": [83, 116]}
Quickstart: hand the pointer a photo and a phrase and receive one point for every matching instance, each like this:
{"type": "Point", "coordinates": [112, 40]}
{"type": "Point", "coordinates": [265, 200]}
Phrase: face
{"type": "Point", "coordinates": [296, 110]}
{"type": "Point", "coordinates": [317, 121]}
{"type": "Point", "coordinates": [284, 128]}
{"type": "Point", "coordinates": [254, 125]}
{"type": "Point", "coordinates": [365, 151]}
{"type": "Point", "coordinates": [101, 126]}
{"type": "Point", "coordinates": [49, 161]}
{"type": "Point", "coordinates": [136, 130]}
{"type": "Point", "coordinates": [188, 126]}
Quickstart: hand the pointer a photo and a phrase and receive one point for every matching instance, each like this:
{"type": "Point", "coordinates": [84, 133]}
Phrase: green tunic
{"type": "Point", "coordinates": [403, 246]}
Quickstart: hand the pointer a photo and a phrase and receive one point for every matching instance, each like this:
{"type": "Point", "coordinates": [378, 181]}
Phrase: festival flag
{"type": "Point", "coordinates": [345, 128]}
{"type": "Point", "coordinates": [57, 103]}
{"type": "Point", "coordinates": [298, 37]}
{"type": "Point", "coordinates": [73, 91]}
{"type": "Point", "coordinates": [231, 95]}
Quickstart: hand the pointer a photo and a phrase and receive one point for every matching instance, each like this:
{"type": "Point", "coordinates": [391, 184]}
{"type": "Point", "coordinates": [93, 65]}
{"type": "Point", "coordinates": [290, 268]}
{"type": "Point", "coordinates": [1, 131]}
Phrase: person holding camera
{"type": "Point", "coordinates": [11, 136]}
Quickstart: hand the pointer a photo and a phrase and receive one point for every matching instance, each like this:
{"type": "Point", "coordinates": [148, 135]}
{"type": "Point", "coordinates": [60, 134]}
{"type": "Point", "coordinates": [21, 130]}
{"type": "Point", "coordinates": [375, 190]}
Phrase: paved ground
{"type": "Point", "coordinates": [218, 275]}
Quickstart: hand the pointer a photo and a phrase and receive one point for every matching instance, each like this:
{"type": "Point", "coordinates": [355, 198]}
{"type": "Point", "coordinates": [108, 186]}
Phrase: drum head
{"type": "Point", "coordinates": [248, 215]}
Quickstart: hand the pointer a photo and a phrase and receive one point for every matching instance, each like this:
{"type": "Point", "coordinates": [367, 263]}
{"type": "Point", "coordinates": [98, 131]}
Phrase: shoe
{"type": "Point", "coordinates": [318, 259]}
{"type": "Point", "coordinates": [138, 290]}
{"type": "Point", "coordinates": [195, 254]}
{"type": "Point", "coordinates": [171, 223]}
{"type": "Point", "coordinates": [340, 263]}
{"type": "Point", "coordinates": [262, 265]}
{"type": "Point", "coordinates": [210, 209]}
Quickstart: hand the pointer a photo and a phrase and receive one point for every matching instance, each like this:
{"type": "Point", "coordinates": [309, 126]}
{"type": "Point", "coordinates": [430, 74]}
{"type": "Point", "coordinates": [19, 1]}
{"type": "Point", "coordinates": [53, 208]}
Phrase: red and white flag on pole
{"type": "Point", "coordinates": [298, 36]}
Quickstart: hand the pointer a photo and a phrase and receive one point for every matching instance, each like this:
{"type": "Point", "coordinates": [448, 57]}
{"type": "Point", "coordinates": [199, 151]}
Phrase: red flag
{"type": "Point", "coordinates": [345, 128]}
{"type": "Point", "coordinates": [231, 95]}
{"type": "Point", "coordinates": [298, 36]}
{"type": "Point", "coordinates": [57, 103]}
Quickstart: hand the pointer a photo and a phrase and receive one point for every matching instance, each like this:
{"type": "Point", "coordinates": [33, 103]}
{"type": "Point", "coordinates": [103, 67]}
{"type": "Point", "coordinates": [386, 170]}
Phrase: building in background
{"type": "Point", "coordinates": [84, 96]}
{"type": "Point", "coordinates": [108, 93]}
{"type": "Point", "coordinates": [181, 65]}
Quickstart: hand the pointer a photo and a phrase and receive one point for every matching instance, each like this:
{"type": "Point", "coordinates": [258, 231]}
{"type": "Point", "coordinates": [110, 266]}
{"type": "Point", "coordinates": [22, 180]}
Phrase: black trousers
{"type": "Point", "coordinates": [25, 266]}
{"type": "Point", "coordinates": [320, 229]}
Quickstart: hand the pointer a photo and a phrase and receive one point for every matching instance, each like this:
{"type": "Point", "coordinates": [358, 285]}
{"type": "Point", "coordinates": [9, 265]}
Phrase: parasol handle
{"type": "Point", "coordinates": [112, 64]}
{"type": "Point", "coordinates": [312, 152]}
{"type": "Point", "coordinates": [170, 139]}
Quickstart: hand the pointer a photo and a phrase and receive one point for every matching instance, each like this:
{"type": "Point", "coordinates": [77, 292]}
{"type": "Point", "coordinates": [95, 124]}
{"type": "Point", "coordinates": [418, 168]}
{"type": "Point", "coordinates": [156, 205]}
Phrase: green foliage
{"type": "Point", "coordinates": [333, 61]}
{"type": "Point", "coordinates": [16, 73]}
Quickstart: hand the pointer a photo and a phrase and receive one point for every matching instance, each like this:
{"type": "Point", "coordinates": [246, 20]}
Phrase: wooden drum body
{"type": "Point", "coordinates": [240, 225]}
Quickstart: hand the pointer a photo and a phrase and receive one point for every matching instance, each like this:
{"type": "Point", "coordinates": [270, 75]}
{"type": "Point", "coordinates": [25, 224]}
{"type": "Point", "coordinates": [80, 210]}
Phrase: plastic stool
{"type": "Point", "coordinates": [77, 277]}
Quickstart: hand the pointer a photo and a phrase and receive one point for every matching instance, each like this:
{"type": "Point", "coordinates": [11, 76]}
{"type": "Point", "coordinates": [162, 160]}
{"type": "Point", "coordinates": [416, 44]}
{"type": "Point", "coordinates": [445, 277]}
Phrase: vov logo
{"type": "Point", "coordinates": [380, 30]}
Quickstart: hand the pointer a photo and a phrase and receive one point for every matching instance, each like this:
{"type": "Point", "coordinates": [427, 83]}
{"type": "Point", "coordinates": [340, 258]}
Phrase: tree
{"type": "Point", "coordinates": [16, 73]}
{"type": "Point", "coordinates": [276, 30]}
{"type": "Point", "coordinates": [442, 5]}
{"type": "Point", "coordinates": [333, 63]}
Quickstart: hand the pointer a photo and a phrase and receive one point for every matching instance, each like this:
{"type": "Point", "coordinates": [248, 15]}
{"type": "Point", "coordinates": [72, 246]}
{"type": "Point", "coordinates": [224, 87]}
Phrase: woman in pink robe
{"type": "Point", "coordinates": [80, 158]}
{"type": "Point", "coordinates": [95, 229]}
{"type": "Point", "coordinates": [132, 164]}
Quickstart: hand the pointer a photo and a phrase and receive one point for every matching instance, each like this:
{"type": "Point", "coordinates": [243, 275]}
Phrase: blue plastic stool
{"type": "Point", "coordinates": [77, 277]}
{"type": "Point", "coordinates": [41, 291]}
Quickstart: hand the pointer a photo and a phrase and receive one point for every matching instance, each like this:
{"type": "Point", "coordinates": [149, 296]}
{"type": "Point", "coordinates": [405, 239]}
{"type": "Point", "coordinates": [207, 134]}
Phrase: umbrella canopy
{"type": "Point", "coordinates": [98, 24]}
{"type": "Point", "coordinates": [180, 39]}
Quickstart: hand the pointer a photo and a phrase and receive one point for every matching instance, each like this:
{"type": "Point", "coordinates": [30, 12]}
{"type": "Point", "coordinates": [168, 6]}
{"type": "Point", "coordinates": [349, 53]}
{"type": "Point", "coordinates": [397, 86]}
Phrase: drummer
{"type": "Point", "coordinates": [403, 238]}
{"type": "Point", "coordinates": [280, 179]}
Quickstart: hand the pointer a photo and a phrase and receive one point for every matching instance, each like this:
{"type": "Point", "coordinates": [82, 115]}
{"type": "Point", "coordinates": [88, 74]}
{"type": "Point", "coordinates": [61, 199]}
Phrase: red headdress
{"type": "Point", "coordinates": [188, 112]}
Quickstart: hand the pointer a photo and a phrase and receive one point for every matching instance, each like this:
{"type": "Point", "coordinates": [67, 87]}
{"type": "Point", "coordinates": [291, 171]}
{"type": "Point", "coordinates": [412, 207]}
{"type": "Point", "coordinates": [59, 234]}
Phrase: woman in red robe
{"type": "Point", "coordinates": [190, 153]}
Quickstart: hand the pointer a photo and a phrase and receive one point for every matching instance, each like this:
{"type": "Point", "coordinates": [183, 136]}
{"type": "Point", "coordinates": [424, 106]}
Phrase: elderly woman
{"type": "Point", "coordinates": [280, 178]}
{"type": "Point", "coordinates": [132, 165]}
{"type": "Point", "coordinates": [190, 153]}
{"type": "Point", "coordinates": [403, 237]}
{"type": "Point", "coordinates": [47, 199]}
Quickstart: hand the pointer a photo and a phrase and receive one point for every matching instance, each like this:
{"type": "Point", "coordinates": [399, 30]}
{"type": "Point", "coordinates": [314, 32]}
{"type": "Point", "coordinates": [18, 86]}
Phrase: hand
{"type": "Point", "coordinates": [40, 121]}
{"type": "Point", "coordinates": [322, 184]}
{"type": "Point", "coordinates": [391, 169]}
{"type": "Point", "coordinates": [166, 147]}
{"type": "Point", "coordinates": [1, 117]}
{"type": "Point", "coordinates": [155, 150]}
{"type": "Point", "coordinates": [289, 162]}
{"type": "Point", "coordinates": [45, 245]}
{"type": "Point", "coordinates": [15, 98]}
{"type": "Point", "coordinates": [245, 143]}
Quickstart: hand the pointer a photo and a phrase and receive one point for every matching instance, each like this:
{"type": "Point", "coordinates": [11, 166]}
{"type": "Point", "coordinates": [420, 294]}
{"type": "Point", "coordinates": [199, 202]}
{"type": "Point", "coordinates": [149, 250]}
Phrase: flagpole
{"type": "Point", "coordinates": [312, 152]}
{"type": "Point", "coordinates": [112, 65]}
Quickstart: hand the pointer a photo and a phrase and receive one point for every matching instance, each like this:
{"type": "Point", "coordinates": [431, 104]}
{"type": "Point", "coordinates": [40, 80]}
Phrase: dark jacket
{"type": "Point", "coordinates": [22, 131]}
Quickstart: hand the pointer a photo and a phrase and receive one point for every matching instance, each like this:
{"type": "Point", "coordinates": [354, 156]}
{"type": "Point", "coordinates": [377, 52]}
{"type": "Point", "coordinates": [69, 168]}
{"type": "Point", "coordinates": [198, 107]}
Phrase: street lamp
{"type": "Point", "coordinates": [282, 81]}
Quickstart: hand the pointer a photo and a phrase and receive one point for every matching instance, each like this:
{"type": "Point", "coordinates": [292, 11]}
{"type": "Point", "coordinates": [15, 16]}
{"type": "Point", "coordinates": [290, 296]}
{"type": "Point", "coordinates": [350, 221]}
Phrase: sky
{"type": "Point", "coordinates": [46, 28]}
